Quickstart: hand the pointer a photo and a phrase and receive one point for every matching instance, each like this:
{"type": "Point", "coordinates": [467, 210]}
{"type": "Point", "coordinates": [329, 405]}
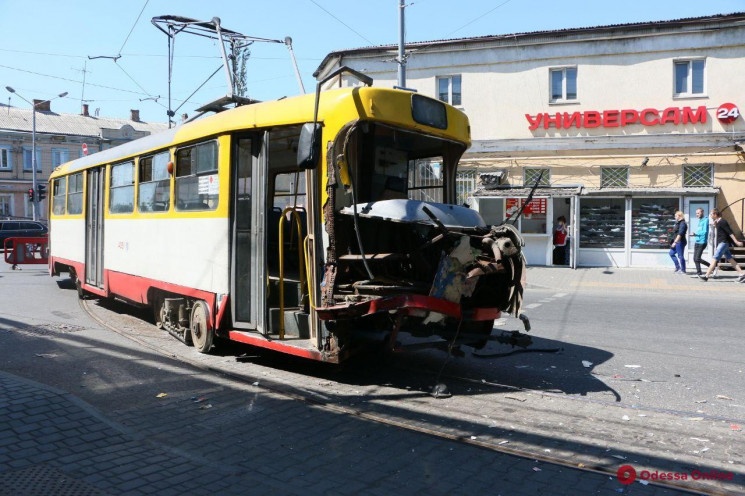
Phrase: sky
{"type": "Point", "coordinates": [45, 44]}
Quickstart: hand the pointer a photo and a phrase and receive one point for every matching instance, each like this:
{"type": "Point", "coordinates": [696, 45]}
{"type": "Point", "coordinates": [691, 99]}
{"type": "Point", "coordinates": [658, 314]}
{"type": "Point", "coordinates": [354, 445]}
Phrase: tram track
{"type": "Point", "coordinates": [317, 401]}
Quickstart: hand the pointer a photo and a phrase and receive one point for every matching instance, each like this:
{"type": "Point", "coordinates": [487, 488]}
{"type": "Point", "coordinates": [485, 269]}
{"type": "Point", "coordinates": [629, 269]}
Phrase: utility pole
{"type": "Point", "coordinates": [401, 45]}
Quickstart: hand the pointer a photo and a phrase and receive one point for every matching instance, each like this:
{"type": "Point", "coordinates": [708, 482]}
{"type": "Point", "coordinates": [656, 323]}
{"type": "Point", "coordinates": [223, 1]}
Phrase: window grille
{"type": "Point", "coordinates": [465, 184]}
{"type": "Point", "coordinates": [697, 176]}
{"type": "Point", "coordinates": [531, 176]}
{"type": "Point", "coordinates": [614, 177]}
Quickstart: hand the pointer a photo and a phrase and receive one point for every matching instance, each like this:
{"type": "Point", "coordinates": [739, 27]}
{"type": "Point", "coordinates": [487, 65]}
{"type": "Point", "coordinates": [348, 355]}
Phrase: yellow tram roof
{"type": "Point", "coordinates": [337, 108]}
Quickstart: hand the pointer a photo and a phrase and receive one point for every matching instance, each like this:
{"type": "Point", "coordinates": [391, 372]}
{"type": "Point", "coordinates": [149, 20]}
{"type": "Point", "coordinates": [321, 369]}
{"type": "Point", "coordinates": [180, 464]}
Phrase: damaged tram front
{"type": "Point", "coordinates": [402, 263]}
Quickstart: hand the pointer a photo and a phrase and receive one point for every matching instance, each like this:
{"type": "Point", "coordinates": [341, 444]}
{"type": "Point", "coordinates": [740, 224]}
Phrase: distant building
{"type": "Point", "coordinates": [624, 125]}
{"type": "Point", "coordinates": [59, 138]}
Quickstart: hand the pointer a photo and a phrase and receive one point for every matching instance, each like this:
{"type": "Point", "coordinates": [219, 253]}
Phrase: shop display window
{"type": "Point", "coordinates": [602, 223]}
{"type": "Point", "coordinates": [652, 222]}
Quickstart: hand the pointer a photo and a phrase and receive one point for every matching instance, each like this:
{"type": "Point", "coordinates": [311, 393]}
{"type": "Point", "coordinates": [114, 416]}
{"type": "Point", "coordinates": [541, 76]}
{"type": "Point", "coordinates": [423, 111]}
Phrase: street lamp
{"type": "Point", "coordinates": [35, 201]}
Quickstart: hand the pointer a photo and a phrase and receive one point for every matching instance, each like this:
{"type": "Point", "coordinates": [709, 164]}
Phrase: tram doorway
{"type": "Point", "coordinates": [94, 227]}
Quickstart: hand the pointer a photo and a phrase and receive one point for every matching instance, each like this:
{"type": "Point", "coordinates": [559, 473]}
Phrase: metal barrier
{"type": "Point", "coordinates": [27, 250]}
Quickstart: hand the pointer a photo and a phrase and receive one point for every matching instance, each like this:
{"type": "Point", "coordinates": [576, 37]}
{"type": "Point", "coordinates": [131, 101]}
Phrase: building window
{"type": "Point", "coordinates": [154, 190]}
{"type": "Point", "coordinates": [564, 84]}
{"type": "Point", "coordinates": [652, 222]}
{"type": "Point", "coordinates": [448, 89]}
{"type": "Point", "coordinates": [689, 77]}
{"type": "Point", "coordinates": [6, 203]}
{"type": "Point", "coordinates": [27, 159]}
{"type": "Point", "coordinates": [122, 191]}
{"type": "Point", "coordinates": [531, 176]}
{"type": "Point", "coordinates": [197, 180]}
{"type": "Point", "coordinates": [60, 156]}
{"type": "Point", "coordinates": [75, 194]}
{"type": "Point", "coordinates": [465, 184]}
{"type": "Point", "coordinates": [58, 196]}
{"type": "Point", "coordinates": [698, 176]}
{"type": "Point", "coordinates": [614, 177]}
{"type": "Point", "coordinates": [5, 160]}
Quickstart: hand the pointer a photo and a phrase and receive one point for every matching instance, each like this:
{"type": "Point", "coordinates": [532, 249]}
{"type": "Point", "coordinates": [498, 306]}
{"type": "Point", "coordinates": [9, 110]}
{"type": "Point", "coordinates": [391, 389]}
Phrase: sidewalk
{"type": "Point", "coordinates": [652, 279]}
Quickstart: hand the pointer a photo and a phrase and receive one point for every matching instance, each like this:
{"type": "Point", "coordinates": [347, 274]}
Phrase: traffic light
{"type": "Point", "coordinates": [41, 191]}
{"type": "Point", "coordinates": [31, 194]}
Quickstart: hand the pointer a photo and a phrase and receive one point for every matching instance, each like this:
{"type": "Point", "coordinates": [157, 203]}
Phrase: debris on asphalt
{"type": "Point", "coordinates": [473, 437]}
{"type": "Point", "coordinates": [205, 407]}
{"type": "Point", "coordinates": [677, 375]}
{"type": "Point", "coordinates": [620, 457]}
{"type": "Point", "coordinates": [642, 415]}
{"type": "Point", "coordinates": [625, 417]}
{"type": "Point", "coordinates": [46, 355]}
{"type": "Point", "coordinates": [198, 400]}
{"type": "Point", "coordinates": [503, 442]}
{"type": "Point", "coordinates": [735, 427]}
{"type": "Point", "coordinates": [547, 450]}
{"type": "Point", "coordinates": [632, 366]}
{"type": "Point", "coordinates": [515, 398]}
{"type": "Point", "coordinates": [255, 383]}
{"type": "Point", "coordinates": [643, 482]}
{"type": "Point", "coordinates": [536, 469]}
{"type": "Point", "coordinates": [586, 364]}
{"type": "Point", "coordinates": [723, 397]}
{"type": "Point", "coordinates": [700, 401]}
{"type": "Point", "coordinates": [162, 395]}
{"type": "Point", "coordinates": [695, 418]}
{"type": "Point", "coordinates": [700, 439]}
{"type": "Point", "coordinates": [704, 450]}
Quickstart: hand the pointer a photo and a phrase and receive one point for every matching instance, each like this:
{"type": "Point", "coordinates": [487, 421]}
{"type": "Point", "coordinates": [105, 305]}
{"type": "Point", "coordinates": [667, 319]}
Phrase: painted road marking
{"type": "Point", "coordinates": [559, 295]}
{"type": "Point", "coordinates": [532, 305]}
{"type": "Point", "coordinates": [656, 284]}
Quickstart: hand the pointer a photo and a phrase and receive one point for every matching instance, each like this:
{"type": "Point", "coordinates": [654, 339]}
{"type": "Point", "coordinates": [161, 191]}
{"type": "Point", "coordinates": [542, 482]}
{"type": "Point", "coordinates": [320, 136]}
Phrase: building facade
{"type": "Point", "coordinates": [59, 138]}
{"type": "Point", "coordinates": [617, 127]}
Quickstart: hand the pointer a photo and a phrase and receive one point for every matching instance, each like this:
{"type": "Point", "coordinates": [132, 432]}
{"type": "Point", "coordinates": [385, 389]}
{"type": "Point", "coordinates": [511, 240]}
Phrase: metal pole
{"type": "Point", "coordinates": [34, 203]}
{"type": "Point", "coordinates": [288, 42]}
{"type": "Point", "coordinates": [401, 44]}
{"type": "Point", "coordinates": [228, 75]}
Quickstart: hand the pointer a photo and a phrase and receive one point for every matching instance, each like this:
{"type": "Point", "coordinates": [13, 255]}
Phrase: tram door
{"type": "Point", "coordinates": [248, 301]}
{"type": "Point", "coordinates": [94, 227]}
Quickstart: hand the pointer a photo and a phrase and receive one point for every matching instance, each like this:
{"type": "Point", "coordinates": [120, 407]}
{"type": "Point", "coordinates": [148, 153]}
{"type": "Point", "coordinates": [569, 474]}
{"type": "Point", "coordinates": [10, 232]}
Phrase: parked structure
{"type": "Point", "coordinates": [623, 124]}
{"type": "Point", "coordinates": [59, 138]}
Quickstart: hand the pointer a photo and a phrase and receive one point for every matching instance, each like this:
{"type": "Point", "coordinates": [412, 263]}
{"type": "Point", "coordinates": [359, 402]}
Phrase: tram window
{"type": "Point", "coordinates": [197, 180]}
{"type": "Point", "coordinates": [154, 189]}
{"type": "Point", "coordinates": [289, 190]}
{"type": "Point", "coordinates": [75, 194]}
{"type": "Point", "coordinates": [58, 196]}
{"type": "Point", "coordinates": [122, 193]}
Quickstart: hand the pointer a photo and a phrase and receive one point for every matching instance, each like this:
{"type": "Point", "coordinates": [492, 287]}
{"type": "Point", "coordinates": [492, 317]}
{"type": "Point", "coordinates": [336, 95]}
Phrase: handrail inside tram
{"type": "Point", "coordinates": [301, 264]}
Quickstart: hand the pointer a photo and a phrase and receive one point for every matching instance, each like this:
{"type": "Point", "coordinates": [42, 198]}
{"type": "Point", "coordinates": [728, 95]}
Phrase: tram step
{"type": "Point", "coordinates": [292, 292]}
{"type": "Point", "coordinates": [297, 323]}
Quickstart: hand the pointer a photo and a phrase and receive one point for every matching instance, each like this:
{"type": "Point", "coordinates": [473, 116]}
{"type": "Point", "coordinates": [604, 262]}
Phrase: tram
{"type": "Point", "coordinates": [309, 226]}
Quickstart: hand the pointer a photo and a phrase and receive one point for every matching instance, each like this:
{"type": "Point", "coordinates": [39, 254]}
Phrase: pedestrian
{"type": "Point", "coordinates": [701, 239]}
{"type": "Point", "coordinates": [678, 246]}
{"type": "Point", "coordinates": [724, 238]}
{"type": "Point", "coordinates": [560, 241]}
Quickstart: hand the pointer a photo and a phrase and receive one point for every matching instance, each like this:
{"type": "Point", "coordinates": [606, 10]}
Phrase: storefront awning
{"type": "Point", "coordinates": [524, 192]}
{"type": "Point", "coordinates": [650, 192]}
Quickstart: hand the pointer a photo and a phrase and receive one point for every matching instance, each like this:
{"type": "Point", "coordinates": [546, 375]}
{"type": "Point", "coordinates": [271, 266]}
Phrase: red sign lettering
{"type": "Point", "coordinates": [589, 119]}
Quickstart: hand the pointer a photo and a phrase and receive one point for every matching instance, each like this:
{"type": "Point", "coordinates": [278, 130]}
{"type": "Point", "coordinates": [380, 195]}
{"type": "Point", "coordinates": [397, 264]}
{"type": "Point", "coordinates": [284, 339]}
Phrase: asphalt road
{"type": "Point", "coordinates": [538, 402]}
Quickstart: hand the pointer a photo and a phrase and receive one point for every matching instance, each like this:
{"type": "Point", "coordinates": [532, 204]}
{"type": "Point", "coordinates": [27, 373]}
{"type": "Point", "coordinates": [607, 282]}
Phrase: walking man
{"type": "Point", "coordinates": [678, 246]}
{"type": "Point", "coordinates": [701, 240]}
{"type": "Point", "coordinates": [724, 237]}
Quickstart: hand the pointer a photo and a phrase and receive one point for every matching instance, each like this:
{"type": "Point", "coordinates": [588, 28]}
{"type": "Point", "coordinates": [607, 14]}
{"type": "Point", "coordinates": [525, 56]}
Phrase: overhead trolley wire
{"type": "Point", "coordinates": [342, 22]}
{"type": "Point", "coordinates": [133, 27]}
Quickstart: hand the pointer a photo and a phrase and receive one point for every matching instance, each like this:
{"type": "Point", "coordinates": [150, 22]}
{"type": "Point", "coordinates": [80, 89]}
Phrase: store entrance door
{"type": "Point", "coordinates": [691, 205]}
{"type": "Point", "coordinates": [562, 208]}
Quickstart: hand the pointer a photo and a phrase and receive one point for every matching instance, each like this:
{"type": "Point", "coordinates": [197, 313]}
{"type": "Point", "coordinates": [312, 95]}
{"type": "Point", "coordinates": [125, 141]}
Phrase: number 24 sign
{"type": "Point", "coordinates": [728, 113]}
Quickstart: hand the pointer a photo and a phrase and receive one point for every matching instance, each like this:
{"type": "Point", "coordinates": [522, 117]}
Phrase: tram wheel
{"type": "Point", "coordinates": [202, 333]}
